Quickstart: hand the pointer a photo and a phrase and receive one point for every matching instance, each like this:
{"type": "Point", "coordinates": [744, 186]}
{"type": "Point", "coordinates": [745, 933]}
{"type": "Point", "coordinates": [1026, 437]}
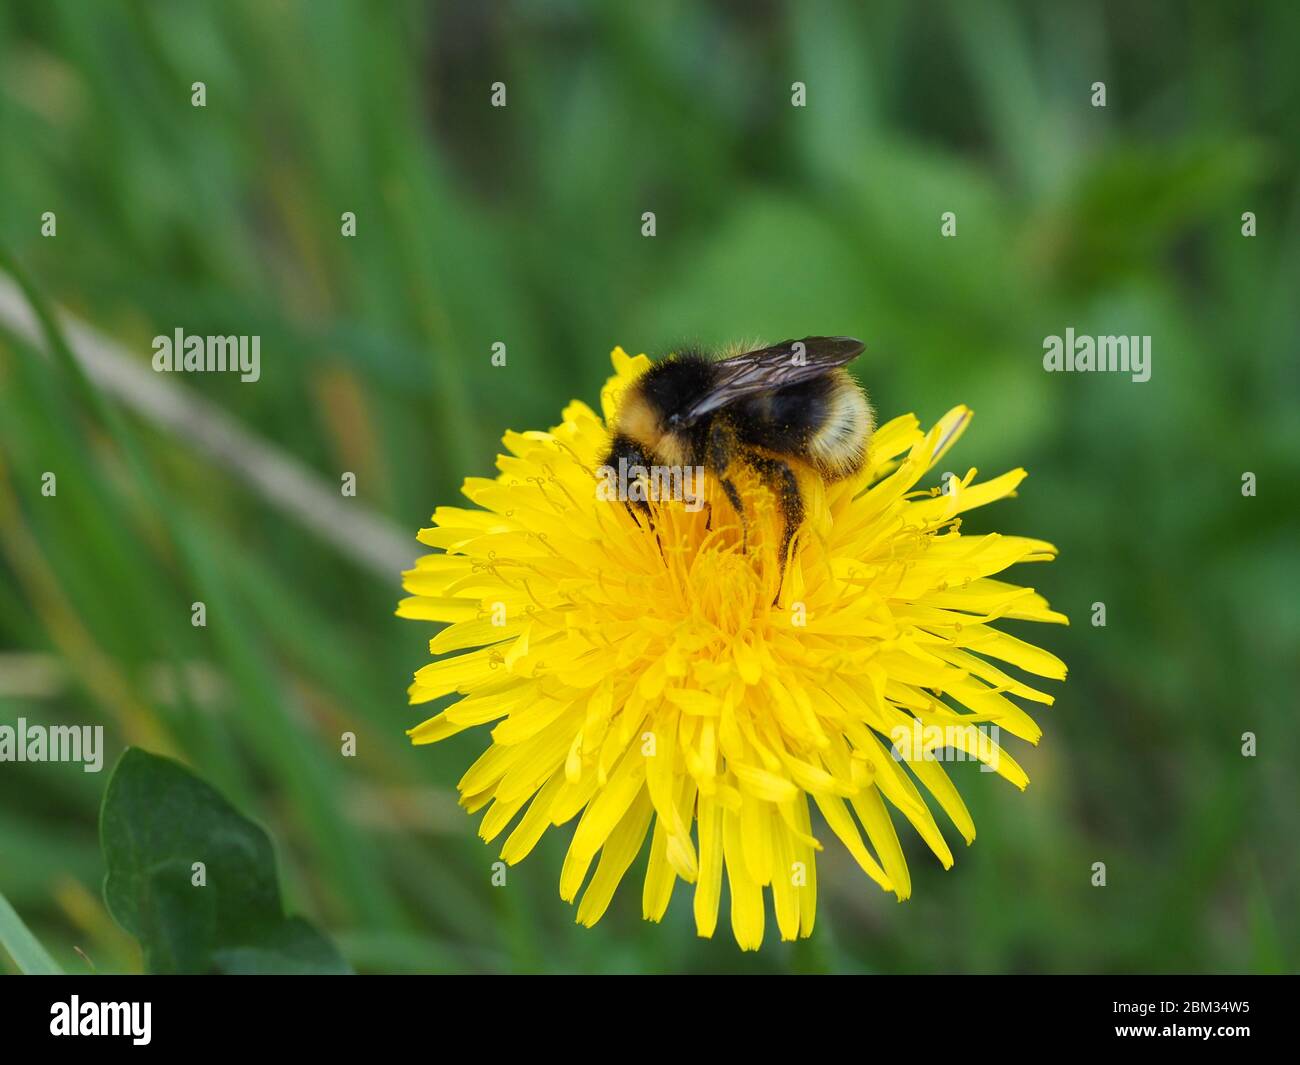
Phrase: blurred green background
{"type": "Point", "coordinates": [522, 225]}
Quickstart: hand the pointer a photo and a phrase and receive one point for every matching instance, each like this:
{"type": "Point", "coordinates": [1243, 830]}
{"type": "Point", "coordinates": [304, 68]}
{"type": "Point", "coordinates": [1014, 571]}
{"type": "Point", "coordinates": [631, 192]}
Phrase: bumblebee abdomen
{"type": "Point", "coordinates": [785, 419]}
{"type": "Point", "coordinates": [839, 446]}
{"type": "Point", "coordinates": [825, 421]}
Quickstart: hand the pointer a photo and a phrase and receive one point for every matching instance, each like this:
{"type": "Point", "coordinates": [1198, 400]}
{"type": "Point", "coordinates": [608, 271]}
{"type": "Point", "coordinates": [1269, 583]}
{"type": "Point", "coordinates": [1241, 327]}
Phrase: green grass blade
{"type": "Point", "coordinates": [23, 947]}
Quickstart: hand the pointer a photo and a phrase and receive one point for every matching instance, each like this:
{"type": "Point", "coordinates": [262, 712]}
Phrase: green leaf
{"type": "Point", "coordinates": [158, 820]}
{"type": "Point", "coordinates": [23, 947]}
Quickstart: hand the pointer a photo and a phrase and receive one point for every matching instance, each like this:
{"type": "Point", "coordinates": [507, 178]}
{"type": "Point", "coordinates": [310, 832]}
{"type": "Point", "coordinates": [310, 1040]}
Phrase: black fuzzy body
{"type": "Point", "coordinates": [782, 421]}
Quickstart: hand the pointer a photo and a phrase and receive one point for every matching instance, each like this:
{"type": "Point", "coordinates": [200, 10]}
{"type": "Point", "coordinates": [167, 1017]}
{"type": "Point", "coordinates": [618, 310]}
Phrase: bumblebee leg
{"type": "Point", "coordinates": [734, 497]}
{"type": "Point", "coordinates": [626, 454]}
{"type": "Point", "coordinates": [719, 449]}
{"type": "Point", "coordinates": [781, 479]}
{"type": "Point", "coordinates": [640, 509]}
{"type": "Point", "coordinates": [643, 516]}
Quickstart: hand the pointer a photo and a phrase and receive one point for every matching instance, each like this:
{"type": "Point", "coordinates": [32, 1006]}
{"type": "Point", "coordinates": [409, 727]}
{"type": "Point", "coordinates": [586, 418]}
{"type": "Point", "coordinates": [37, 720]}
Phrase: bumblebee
{"type": "Point", "coordinates": [792, 402]}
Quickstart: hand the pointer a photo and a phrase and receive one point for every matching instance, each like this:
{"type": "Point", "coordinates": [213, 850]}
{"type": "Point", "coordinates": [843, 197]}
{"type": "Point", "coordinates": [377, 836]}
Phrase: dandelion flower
{"type": "Point", "coordinates": [666, 681]}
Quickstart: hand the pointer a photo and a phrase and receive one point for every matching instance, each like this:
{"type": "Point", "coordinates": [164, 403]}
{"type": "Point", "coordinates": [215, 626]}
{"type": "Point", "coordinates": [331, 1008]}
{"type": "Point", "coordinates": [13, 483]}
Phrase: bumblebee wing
{"type": "Point", "coordinates": [786, 363]}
